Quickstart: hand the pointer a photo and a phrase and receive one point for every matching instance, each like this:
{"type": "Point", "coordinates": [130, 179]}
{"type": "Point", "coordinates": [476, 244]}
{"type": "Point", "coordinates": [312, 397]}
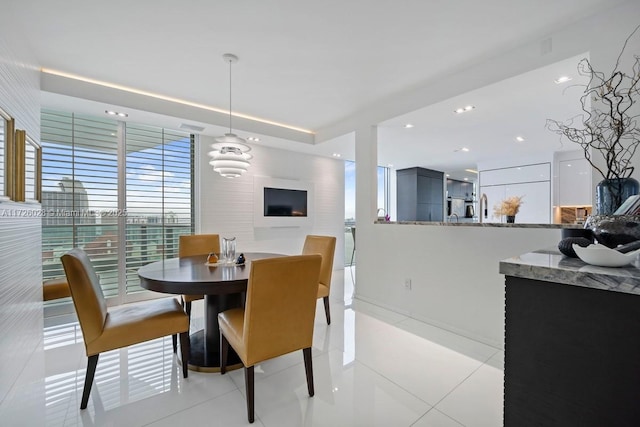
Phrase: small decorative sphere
{"type": "Point", "coordinates": [566, 245]}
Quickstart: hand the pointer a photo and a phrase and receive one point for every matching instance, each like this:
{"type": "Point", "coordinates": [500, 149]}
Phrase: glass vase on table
{"type": "Point", "coordinates": [229, 250]}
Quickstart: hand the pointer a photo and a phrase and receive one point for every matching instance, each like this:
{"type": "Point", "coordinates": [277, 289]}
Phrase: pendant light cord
{"type": "Point", "coordinates": [230, 115]}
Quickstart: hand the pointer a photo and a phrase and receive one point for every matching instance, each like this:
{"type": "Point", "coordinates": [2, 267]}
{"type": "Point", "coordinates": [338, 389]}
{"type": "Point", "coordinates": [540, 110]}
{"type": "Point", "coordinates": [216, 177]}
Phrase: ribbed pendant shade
{"type": "Point", "coordinates": [229, 155]}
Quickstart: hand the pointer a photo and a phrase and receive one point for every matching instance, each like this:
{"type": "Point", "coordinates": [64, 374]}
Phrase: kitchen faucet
{"type": "Point", "coordinates": [483, 198]}
{"type": "Point", "coordinates": [456, 215]}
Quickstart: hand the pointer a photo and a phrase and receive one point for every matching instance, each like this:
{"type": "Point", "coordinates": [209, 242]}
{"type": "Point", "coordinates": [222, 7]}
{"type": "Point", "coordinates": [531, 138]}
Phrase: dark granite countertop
{"type": "Point", "coordinates": [550, 265]}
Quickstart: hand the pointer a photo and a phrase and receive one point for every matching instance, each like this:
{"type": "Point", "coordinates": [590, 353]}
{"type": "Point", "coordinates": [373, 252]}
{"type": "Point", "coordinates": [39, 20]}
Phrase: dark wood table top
{"type": "Point", "coordinates": [192, 276]}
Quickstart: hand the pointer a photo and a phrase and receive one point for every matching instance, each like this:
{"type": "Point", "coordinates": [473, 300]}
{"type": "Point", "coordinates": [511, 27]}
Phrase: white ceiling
{"type": "Point", "coordinates": [312, 64]}
{"type": "Point", "coordinates": [518, 106]}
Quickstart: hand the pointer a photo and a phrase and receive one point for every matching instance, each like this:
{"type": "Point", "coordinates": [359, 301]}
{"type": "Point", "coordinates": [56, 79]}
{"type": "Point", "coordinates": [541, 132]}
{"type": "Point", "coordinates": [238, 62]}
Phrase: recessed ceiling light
{"type": "Point", "coordinates": [253, 138]}
{"type": "Point", "coordinates": [336, 155]}
{"type": "Point", "coordinates": [466, 179]}
{"type": "Point", "coordinates": [463, 109]}
{"type": "Point", "coordinates": [115, 113]}
{"type": "Point", "coordinates": [519, 139]}
{"type": "Point", "coordinates": [448, 175]}
{"type": "Point", "coordinates": [464, 149]}
{"type": "Point", "coordinates": [562, 79]}
{"type": "Point", "coordinates": [408, 126]}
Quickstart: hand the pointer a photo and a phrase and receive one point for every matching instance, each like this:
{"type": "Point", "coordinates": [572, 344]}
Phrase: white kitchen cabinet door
{"type": "Point", "coordinates": [575, 183]}
{"type": "Point", "coordinates": [516, 174]}
{"type": "Point", "coordinates": [536, 203]}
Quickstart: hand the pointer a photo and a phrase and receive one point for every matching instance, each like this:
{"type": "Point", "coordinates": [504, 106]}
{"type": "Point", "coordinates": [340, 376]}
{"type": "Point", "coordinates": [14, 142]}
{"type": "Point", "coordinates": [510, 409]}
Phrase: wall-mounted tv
{"type": "Point", "coordinates": [282, 202]}
{"type": "Point", "coordinates": [285, 202]}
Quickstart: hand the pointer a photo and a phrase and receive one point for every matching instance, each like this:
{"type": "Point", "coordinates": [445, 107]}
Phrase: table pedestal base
{"type": "Point", "coordinates": [203, 361]}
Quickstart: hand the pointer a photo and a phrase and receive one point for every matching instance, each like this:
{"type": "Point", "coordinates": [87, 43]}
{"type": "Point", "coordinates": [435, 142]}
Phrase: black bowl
{"type": "Point", "coordinates": [566, 245]}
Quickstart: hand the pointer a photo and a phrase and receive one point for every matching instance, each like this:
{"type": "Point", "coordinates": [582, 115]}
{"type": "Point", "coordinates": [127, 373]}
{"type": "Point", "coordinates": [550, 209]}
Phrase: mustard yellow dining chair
{"type": "Point", "coordinates": [325, 246]}
{"type": "Point", "coordinates": [277, 319]}
{"type": "Point", "coordinates": [196, 244]}
{"type": "Point", "coordinates": [105, 329]}
{"type": "Point", "coordinates": [55, 289]}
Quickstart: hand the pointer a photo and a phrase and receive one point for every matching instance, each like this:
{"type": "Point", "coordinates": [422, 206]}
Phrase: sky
{"type": "Point", "coordinates": [350, 189]}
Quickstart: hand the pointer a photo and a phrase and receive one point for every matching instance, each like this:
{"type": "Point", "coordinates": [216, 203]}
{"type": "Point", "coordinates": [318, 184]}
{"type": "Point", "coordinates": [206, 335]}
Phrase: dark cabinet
{"type": "Point", "coordinates": [571, 355]}
{"type": "Point", "coordinates": [459, 189]}
{"type": "Point", "coordinates": [420, 195]}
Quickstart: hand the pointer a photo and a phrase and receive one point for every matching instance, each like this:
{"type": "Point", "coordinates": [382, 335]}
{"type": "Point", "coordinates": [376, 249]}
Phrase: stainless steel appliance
{"type": "Point", "coordinates": [469, 211]}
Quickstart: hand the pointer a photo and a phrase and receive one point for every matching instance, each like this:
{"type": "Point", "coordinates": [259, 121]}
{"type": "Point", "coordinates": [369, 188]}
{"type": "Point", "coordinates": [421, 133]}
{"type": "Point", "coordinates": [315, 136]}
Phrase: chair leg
{"type": "Point", "coordinates": [92, 362]}
{"type": "Point", "coordinates": [224, 351]}
{"type": "Point", "coordinates": [248, 380]}
{"type": "Point", "coordinates": [174, 337]}
{"type": "Point", "coordinates": [187, 309]}
{"type": "Point", "coordinates": [185, 344]}
{"type": "Point", "coordinates": [308, 367]}
{"type": "Point", "coordinates": [353, 252]}
{"type": "Point", "coordinates": [326, 309]}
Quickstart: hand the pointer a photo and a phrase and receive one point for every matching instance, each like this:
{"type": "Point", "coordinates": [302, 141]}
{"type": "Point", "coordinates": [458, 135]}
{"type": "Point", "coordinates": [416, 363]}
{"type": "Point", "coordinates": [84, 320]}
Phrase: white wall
{"type": "Point", "coordinates": [455, 269]}
{"type": "Point", "coordinates": [227, 205]}
{"type": "Point", "coordinates": [20, 235]}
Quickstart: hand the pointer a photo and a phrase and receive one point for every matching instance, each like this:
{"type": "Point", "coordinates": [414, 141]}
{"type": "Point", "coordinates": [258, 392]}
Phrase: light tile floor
{"type": "Point", "coordinates": [372, 367]}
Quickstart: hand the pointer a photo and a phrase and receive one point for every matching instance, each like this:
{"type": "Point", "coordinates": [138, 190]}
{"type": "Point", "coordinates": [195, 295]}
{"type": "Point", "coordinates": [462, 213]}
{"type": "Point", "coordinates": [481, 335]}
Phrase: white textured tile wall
{"type": "Point", "coordinates": [20, 86]}
{"type": "Point", "coordinates": [227, 205]}
{"type": "Point", "coordinates": [20, 232]}
{"type": "Point", "coordinates": [20, 289]}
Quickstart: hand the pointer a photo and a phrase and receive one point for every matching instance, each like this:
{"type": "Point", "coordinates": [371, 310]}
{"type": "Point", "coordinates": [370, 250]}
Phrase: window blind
{"type": "Point", "coordinates": [80, 193]}
{"type": "Point", "coordinates": [159, 169]}
{"type": "Point", "coordinates": [80, 196]}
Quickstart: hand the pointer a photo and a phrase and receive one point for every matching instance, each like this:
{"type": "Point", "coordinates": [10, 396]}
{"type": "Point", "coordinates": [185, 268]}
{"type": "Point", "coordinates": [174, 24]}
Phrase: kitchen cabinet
{"type": "Point", "coordinates": [574, 178]}
{"type": "Point", "coordinates": [536, 201]}
{"type": "Point", "coordinates": [532, 182]}
{"type": "Point", "coordinates": [515, 174]}
{"type": "Point", "coordinates": [459, 189]}
{"type": "Point", "coordinates": [571, 352]}
{"type": "Point", "coordinates": [420, 194]}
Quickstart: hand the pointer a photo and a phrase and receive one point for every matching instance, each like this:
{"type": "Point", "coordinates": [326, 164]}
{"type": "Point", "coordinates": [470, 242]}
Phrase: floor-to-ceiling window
{"type": "Point", "coordinates": [383, 184]}
{"type": "Point", "coordinates": [120, 191]}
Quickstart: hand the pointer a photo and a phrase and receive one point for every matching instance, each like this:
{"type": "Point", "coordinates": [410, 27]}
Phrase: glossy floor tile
{"type": "Point", "coordinates": [372, 367]}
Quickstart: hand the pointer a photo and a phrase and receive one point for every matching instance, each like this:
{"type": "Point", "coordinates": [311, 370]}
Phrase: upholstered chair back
{"type": "Point", "coordinates": [280, 306]}
{"type": "Point", "coordinates": [325, 246]}
{"type": "Point", "coordinates": [88, 299]}
{"type": "Point", "coordinates": [198, 244]}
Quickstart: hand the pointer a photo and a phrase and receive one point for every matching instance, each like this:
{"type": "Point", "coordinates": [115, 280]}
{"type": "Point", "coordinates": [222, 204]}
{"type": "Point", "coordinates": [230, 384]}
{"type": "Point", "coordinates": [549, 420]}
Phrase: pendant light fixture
{"type": "Point", "coordinates": [229, 155]}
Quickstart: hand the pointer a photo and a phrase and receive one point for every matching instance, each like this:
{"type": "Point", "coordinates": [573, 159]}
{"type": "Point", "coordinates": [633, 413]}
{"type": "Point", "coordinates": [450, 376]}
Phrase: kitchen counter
{"type": "Point", "coordinates": [484, 224]}
{"type": "Point", "coordinates": [551, 266]}
{"type": "Point", "coordinates": [571, 342]}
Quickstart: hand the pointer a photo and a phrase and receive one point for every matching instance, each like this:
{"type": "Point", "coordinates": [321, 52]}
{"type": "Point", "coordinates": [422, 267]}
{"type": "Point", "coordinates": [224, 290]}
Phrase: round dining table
{"type": "Point", "coordinates": [223, 286]}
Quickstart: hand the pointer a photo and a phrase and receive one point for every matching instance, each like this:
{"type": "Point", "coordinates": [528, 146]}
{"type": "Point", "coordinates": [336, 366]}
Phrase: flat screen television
{"type": "Point", "coordinates": [285, 202]}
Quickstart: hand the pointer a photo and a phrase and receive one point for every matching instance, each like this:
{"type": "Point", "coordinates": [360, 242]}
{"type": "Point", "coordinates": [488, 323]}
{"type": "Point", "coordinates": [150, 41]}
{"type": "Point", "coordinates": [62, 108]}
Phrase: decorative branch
{"type": "Point", "coordinates": [609, 126]}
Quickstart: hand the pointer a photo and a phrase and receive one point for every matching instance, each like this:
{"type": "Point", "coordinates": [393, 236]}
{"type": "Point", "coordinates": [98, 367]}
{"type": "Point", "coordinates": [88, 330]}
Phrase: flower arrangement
{"type": "Point", "coordinates": [509, 206]}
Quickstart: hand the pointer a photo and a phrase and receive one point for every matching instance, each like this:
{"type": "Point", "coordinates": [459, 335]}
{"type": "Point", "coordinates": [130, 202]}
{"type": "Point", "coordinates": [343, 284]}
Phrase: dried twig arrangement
{"type": "Point", "coordinates": [509, 206]}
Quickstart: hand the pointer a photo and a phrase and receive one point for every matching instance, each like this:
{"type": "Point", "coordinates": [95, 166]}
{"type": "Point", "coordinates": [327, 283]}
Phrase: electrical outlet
{"type": "Point", "coordinates": [407, 284]}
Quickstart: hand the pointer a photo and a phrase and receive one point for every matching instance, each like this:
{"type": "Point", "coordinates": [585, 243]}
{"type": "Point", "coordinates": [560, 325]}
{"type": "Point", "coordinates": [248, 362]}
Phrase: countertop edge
{"type": "Point", "coordinates": [551, 266]}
